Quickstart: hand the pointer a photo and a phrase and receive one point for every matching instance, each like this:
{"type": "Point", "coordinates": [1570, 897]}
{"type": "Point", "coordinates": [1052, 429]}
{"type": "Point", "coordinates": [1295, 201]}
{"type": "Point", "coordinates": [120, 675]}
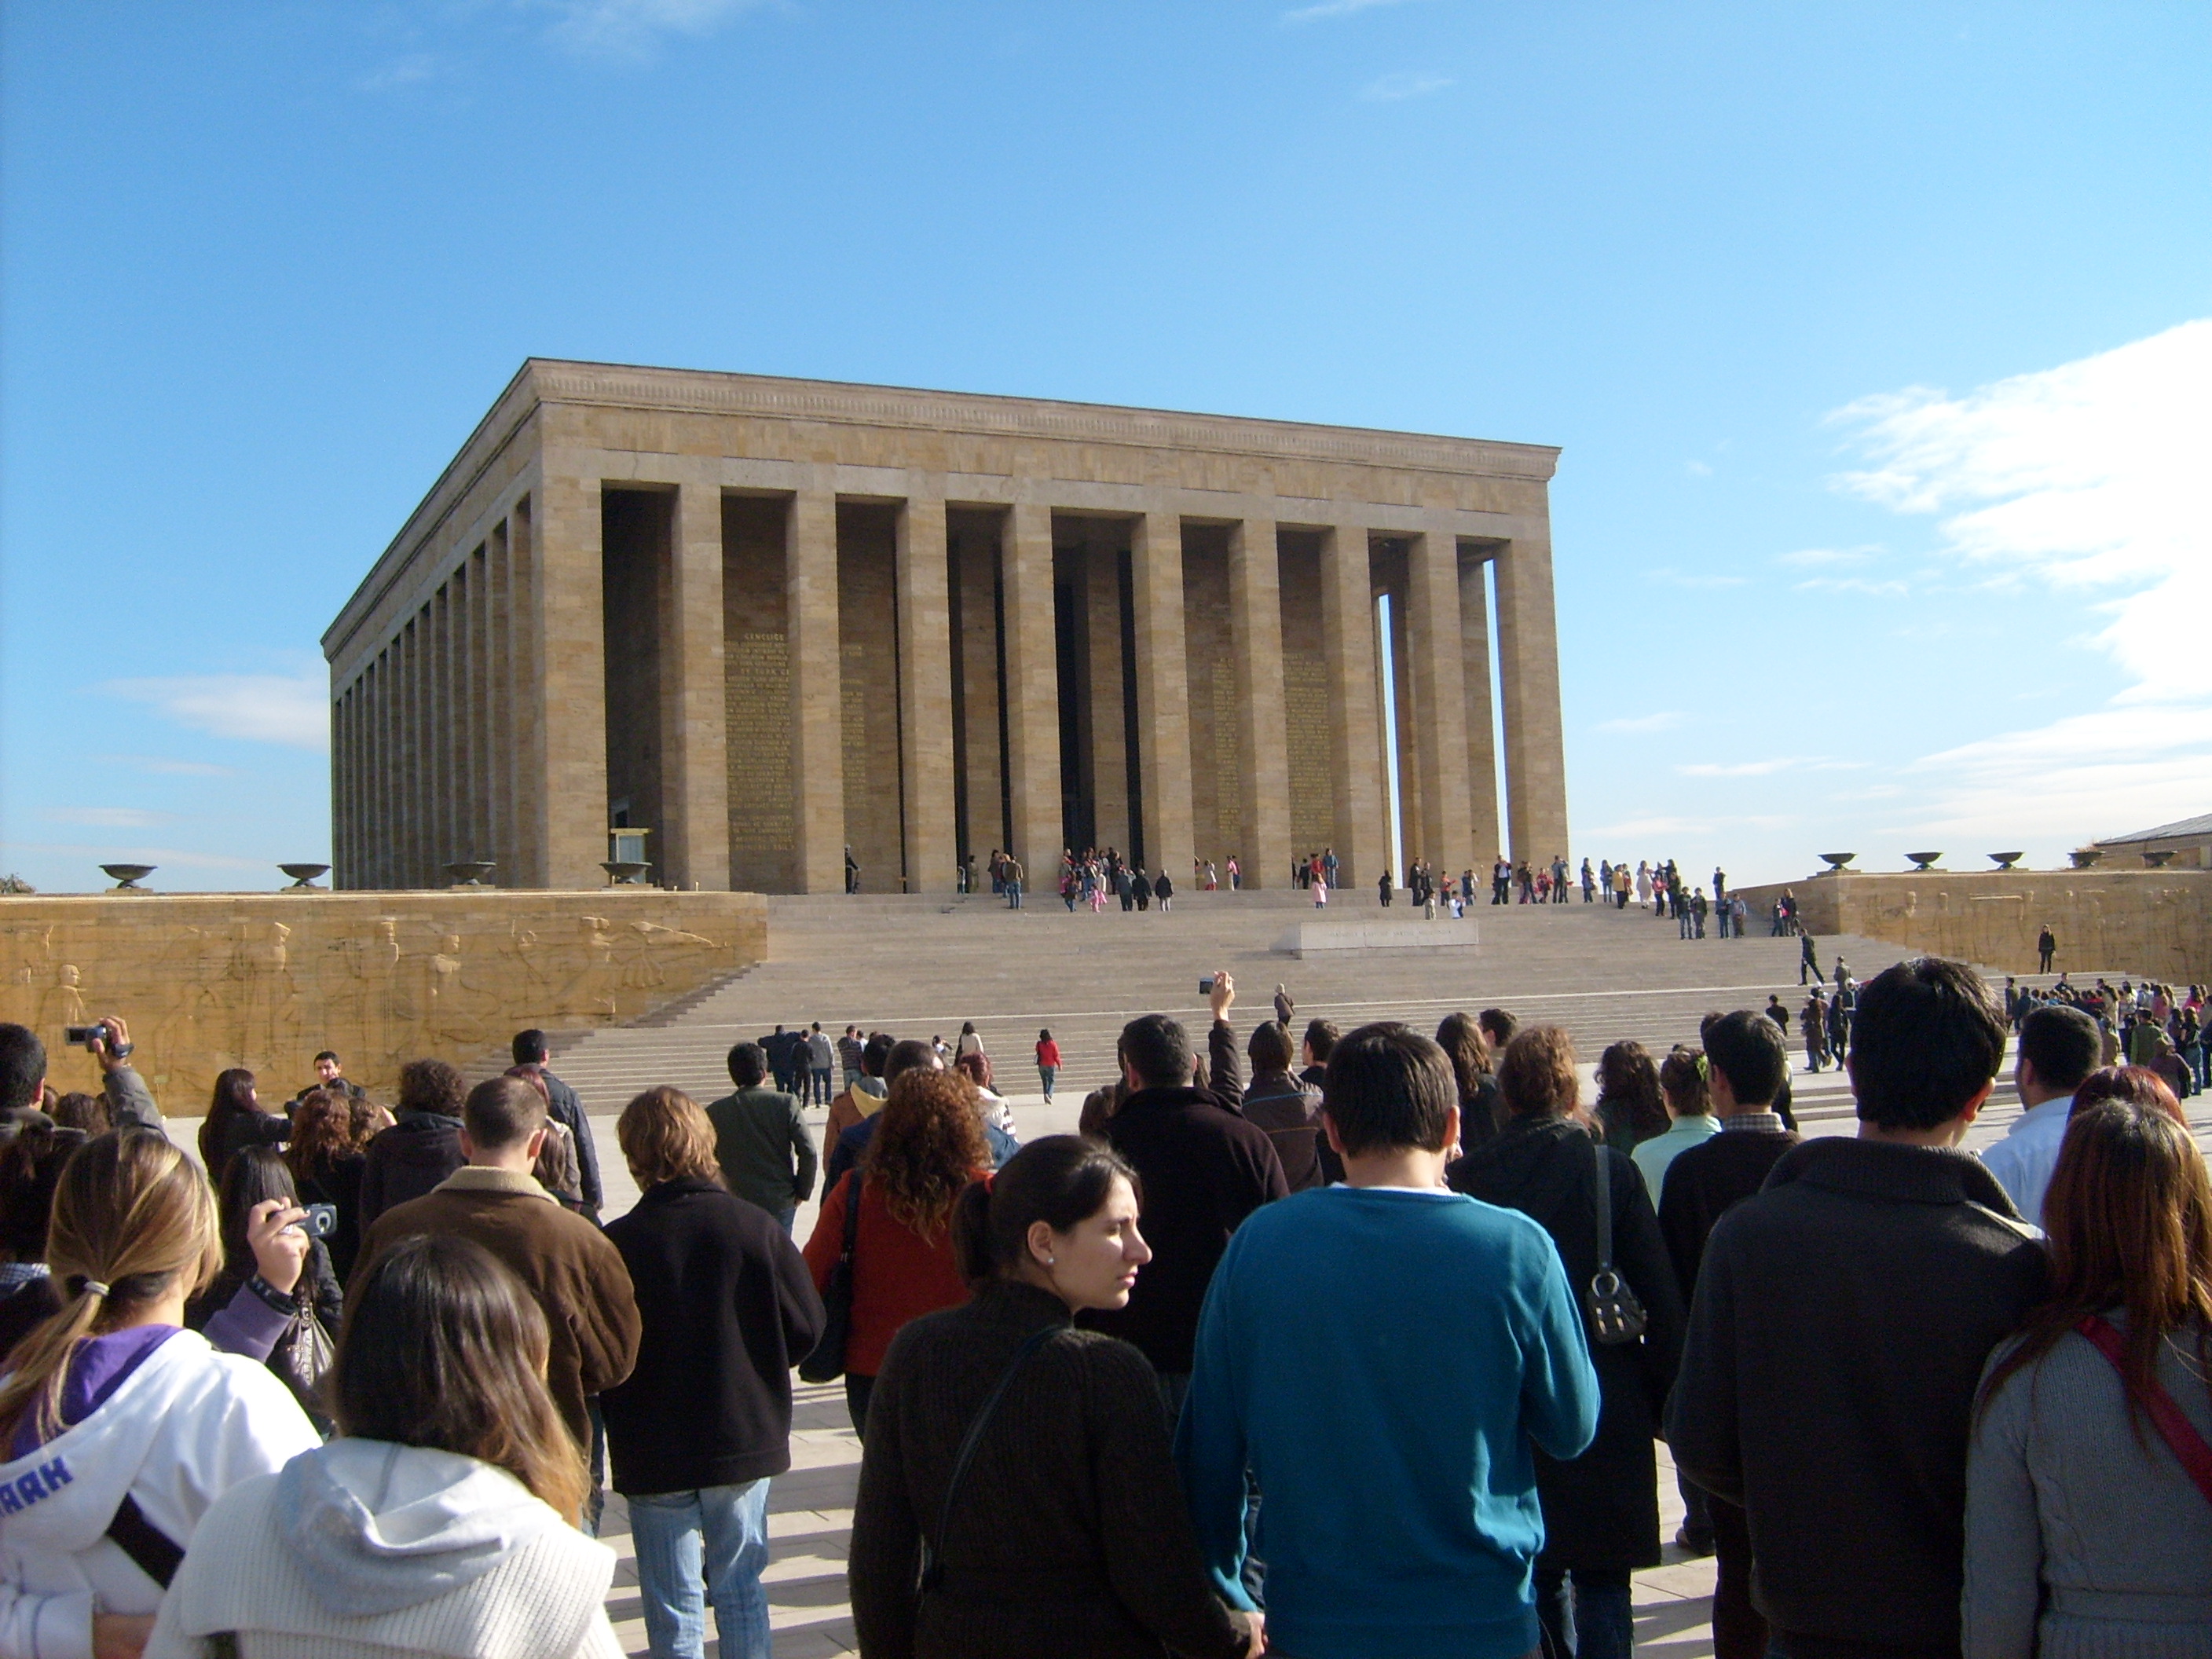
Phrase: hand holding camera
{"type": "Point", "coordinates": [279, 1244]}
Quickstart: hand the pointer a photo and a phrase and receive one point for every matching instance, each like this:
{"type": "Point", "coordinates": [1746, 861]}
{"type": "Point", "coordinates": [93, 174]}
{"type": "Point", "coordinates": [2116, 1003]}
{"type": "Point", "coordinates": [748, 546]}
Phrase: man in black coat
{"type": "Point", "coordinates": [1747, 1069]}
{"type": "Point", "coordinates": [1204, 1169]}
{"type": "Point", "coordinates": [1842, 1319]}
{"type": "Point", "coordinates": [563, 1107]}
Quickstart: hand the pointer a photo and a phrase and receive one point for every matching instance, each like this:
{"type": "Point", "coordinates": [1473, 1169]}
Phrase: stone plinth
{"type": "Point", "coordinates": [266, 981]}
{"type": "Point", "coordinates": [1310, 938]}
{"type": "Point", "coordinates": [2141, 921]}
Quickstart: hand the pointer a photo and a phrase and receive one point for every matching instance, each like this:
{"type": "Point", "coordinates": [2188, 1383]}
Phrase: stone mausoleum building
{"type": "Point", "coordinates": [767, 620]}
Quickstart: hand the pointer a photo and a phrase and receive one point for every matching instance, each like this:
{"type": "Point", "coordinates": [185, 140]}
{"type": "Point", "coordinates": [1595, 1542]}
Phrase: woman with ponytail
{"type": "Point", "coordinates": [1063, 1532]}
{"type": "Point", "coordinates": [121, 1427]}
{"type": "Point", "coordinates": [443, 1518]}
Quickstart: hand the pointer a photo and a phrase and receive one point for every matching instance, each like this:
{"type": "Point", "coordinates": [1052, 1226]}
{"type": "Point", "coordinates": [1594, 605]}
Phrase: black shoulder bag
{"type": "Point", "coordinates": [154, 1552]}
{"type": "Point", "coordinates": [825, 1361]}
{"type": "Point", "coordinates": [933, 1569]}
{"type": "Point", "coordinates": [1615, 1314]}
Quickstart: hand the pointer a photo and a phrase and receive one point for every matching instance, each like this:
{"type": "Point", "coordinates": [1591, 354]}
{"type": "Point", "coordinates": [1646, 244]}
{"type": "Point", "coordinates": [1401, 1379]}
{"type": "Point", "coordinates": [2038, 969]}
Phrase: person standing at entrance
{"type": "Point", "coordinates": [2046, 947]}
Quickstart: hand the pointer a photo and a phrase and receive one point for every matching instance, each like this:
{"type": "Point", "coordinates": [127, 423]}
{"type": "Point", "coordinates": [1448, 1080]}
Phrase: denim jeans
{"type": "Point", "coordinates": [1050, 1074]}
{"type": "Point", "coordinates": [699, 1547]}
{"type": "Point", "coordinates": [1591, 1619]}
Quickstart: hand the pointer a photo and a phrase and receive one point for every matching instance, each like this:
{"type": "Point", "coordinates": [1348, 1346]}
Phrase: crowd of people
{"type": "Point", "coordinates": [1320, 1342]}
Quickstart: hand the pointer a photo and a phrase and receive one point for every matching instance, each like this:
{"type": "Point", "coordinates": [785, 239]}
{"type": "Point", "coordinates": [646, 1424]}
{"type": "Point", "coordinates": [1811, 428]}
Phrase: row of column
{"type": "Point", "coordinates": [432, 741]}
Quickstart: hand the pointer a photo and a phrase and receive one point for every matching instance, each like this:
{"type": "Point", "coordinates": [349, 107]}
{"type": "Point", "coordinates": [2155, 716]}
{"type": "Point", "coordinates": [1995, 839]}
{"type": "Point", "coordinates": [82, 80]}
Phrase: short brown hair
{"type": "Point", "coordinates": [1536, 1076]}
{"type": "Point", "coordinates": [665, 1136]}
{"type": "Point", "coordinates": [501, 1111]}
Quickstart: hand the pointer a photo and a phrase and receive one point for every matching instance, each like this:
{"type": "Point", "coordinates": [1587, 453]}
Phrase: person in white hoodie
{"type": "Point", "coordinates": [120, 1427]}
{"type": "Point", "coordinates": [441, 1522]}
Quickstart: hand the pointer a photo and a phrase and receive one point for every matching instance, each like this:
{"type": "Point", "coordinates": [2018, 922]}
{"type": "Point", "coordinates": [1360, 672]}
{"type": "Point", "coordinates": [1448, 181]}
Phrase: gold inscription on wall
{"type": "Point", "coordinates": [758, 711]}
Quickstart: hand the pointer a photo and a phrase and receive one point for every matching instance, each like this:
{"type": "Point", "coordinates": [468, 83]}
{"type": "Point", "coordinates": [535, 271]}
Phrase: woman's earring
{"type": "Point", "coordinates": [1052, 1262]}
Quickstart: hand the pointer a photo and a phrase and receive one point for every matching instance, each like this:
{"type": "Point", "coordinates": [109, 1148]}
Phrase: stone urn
{"type": "Point", "coordinates": [128, 876]}
{"type": "Point", "coordinates": [2005, 860]}
{"type": "Point", "coordinates": [2085, 857]}
{"type": "Point", "coordinates": [2159, 861]}
{"type": "Point", "coordinates": [470, 872]}
{"type": "Point", "coordinates": [625, 873]}
{"type": "Point", "coordinates": [1924, 860]}
{"type": "Point", "coordinates": [303, 876]}
{"type": "Point", "coordinates": [1836, 861]}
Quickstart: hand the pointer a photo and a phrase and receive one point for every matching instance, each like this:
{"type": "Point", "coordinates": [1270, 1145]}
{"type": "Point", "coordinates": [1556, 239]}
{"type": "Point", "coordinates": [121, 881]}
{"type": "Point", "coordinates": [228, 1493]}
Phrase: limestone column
{"type": "Point", "coordinates": [925, 674]}
{"type": "Point", "coordinates": [503, 846]}
{"type": "Point", "coordinates": [1355, 749]}
{"type": "Point", "coordinates": [1107, 745]}
{"type": "Point", "coordinates": [973, 560]}
{"type": "Point", "coordinates": [1033, 691]}
{"type": "Point", "coordinates": [1528, 682]}
{"type": "Point", "coordinates": [567, 793]}
{"type": "Point", "coordinates": [818, 731]}
{"type": "Point", "coordinates": [443, 713]}
{"type": "Point", "coordinates": [412, 795]}
{"type": "Point", "coordinates": [1481, 730]}
{"type": "Point", "coordinates": [1163, 693]}
{"type": "Point", "coordinates": [694, 708]}
{"type": "Point", "coordinates": [341, 788]}
{"type": "Point", "coordinates": [1433, 633]}
{"type": "Point", "coordinates": [1255, 633]}
{"type": "Point", "coordinates": [484, 769]}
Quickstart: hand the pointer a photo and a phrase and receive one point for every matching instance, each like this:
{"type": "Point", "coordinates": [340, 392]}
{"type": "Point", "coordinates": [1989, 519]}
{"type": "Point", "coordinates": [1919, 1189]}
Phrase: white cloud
{"type": "Point", "coordinates": [104, 818]}
{"type": "Point", "coordinates": [293, 710]}
{"type": "Point", "coordinates": [412, 70]}
{"type": "Point", "coordinates": [171, 768]}
{"type": "Point", "coordinates": [1761, 768]}
{"type": "Point", "coordinates": [1665, 719]}
{"type": "Point", "coordinates": [1698, 469]}
{"type": "Point", "coordinates": [2087, 478]}
{"type": "Point", "coordinates": [1406, 83]}
{"type": "Point", "coordinates": [633, 29]}
{"type": "Point", "coordinates": [1326, 8]}
{"type": "Point", "coordinates": [1891, 588]}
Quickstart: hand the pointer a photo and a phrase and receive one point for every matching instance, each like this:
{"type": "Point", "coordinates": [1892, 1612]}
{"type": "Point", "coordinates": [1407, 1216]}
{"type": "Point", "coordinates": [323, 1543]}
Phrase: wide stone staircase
{"type": "Point", "coordinates": [919, 966]}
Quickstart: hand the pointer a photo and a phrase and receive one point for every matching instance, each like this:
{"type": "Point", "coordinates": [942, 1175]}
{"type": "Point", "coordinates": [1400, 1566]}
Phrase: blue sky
{"type": "Point", "coordinates": [1878, 340]}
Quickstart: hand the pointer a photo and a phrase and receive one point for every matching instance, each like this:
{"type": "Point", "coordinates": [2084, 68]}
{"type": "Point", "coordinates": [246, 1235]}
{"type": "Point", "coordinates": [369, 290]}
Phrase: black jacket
{"type": "Point", "coordinates": [728, 1309]}
{"type": "Point", "coordinates": [1601, 1510]}
{"type": "Point", "coordinates": [338, 1184]}
{"type": "Point", "coordinates": [1290, 1113]}
{"type": "Point", "coordinates": [566, 1108]}
{"type": "Point", "coordinates": [1707, 1180]}
{"type": "Point", "coordinates": [1842, 1319]}
{"type": "Point", "coordinates": [408, 1160]}
{"type": "Point", "coordinates": [1204, 1170]}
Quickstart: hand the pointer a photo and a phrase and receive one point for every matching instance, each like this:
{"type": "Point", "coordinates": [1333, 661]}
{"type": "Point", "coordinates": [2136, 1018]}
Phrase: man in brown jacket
{"type": "Point", "coordinates": [568, 1264]}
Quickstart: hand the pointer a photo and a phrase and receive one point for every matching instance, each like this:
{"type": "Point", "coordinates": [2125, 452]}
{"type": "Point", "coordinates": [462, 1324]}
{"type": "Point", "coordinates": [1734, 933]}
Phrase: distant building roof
{"type": "Point", "coordinates": [2179, 830]}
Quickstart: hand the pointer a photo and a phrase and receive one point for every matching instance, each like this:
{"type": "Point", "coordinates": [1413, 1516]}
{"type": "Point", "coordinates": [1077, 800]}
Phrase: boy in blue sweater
{"type": "Point", "coordinates": [1381, 1354]}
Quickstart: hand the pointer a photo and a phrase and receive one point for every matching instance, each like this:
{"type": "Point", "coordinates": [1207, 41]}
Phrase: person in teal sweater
{"type": "Point", "coordinates": [1381, 1355]}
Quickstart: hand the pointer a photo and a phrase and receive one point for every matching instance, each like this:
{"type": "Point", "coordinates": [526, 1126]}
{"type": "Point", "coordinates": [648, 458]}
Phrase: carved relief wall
{"type": "Point", "coordinates": [266, 981]}
{"type": "Point", "coordinates": [2155, 922]}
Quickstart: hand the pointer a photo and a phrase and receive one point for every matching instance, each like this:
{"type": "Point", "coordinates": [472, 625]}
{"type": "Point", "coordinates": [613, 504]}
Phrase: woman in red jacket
{"type": "Point", "coordinates": [1047, 1056]}
{"type": "Point", "coordinates": [930, 1147]}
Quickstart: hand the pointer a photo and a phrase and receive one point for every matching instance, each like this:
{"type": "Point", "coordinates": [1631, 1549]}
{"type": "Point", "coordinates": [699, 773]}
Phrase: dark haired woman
{"type": "Point", "coordinates": [929, 1147]}
{"type": "Point", "coordinates": [704, 1420]}
{"type": "Point", "coordinates": [256, 1176]}
{"type": "Point", "coordinates": [237, 1118]}
{"type": "Point", "coordinates": [443, 1521]}
{"type": "Point", "coordinates": [1460, 1036]}
{"type": "Point", "coordinates": [331, 1132]}
{"type": "Point", "coordinates": [2086, 1531]}
{"type": "Point", "coordinates": [1047, 1063]}
{"type": "Point", "coordinates": [1067, 1533]}
{"type": "Point", "coordinates": [1631, 1107]}
{"type": "Point", "coordinates": [1602, 1509]}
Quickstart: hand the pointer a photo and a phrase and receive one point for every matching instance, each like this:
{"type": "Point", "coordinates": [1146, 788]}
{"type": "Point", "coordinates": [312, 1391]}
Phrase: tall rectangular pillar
{"type": "Point", "coordinates": [484, 770]}
{"type": "Point", "coordinates": [925, 674]}
{"type": "Point", "coordinates": [1255, 635]}
{"type": "Point", "coordinates": [569, 696]}
{"type": "Point", "coordinates": [1433, 633]}
{"type": "Point", "coordinates": [1528, 684]}
{"type": "Point", "coordinates": [817, 740]}
{"type": "Point", "coordinates": [506, 846]}
{"type": "Point", "coordinates": [693, 711]}
{"type": "Point", "coordinates": [1481, 727]}
{"type": "Point", "coordinates": [1163, 692]}
{"type": "Point", "coordinates": [1106, 734]}
{"type": "Point", "coordinates": [973, 560]}
{"type": "Point", "coordinates": [1355, 749]}
{"type": "Point", "coordinates": [1033, 690]}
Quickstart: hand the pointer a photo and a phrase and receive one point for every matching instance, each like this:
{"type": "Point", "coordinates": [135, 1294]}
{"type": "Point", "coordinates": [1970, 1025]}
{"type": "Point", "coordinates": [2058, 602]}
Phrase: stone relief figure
{"type": "Point", "coordinates": [266, 1014]}
{"type": "Point", "coordinates": [65, 1003]}
{"type": "Point", "coordinates": [650, 945]}
{"type": "Point", "coordinates": [455, 1013]}
{"type": "Point", "coordinates": [589, 990]}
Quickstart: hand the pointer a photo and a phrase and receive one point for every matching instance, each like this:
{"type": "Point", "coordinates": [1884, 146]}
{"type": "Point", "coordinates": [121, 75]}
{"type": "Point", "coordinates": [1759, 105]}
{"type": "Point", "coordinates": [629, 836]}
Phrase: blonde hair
{"type": "Point", "coordinates": [132, 1220]}
{"type": "Point", "coordinates": [665, 1136]}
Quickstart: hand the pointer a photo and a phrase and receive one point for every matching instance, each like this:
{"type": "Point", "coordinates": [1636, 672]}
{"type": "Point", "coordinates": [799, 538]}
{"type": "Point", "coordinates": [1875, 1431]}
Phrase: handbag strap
{"type": "Point", "coordinates": [157, 1554]}
{"type": "Point", "coordinates": [1604, 1207]}
{"type": "Point", "coordinates": [933, 1569]}
{"type": "Point", "coordinates": [851, 1217]}
{"type": "Point", "coordinates": [2191, 1447]}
